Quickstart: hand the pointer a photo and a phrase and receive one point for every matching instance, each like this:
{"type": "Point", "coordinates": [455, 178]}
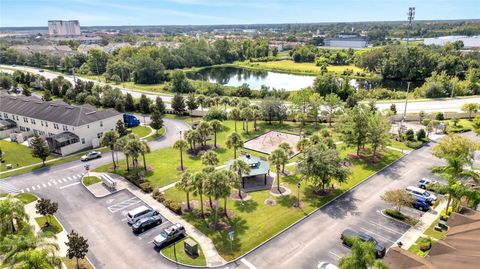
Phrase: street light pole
{"type": "Point", "coordinates": [298, 194]}
{"type": "Point", "coordinates": [175, 254]}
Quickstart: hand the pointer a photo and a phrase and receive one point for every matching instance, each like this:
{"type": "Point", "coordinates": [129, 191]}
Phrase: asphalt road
{"type": "Point", "coordinates": [317, 238]}
{"type": "Point", "coordinates": [432, 105]}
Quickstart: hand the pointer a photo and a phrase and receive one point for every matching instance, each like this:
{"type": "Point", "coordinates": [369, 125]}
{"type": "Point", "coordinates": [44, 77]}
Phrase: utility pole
{"type": "Point", "coordinates": [411, 16]}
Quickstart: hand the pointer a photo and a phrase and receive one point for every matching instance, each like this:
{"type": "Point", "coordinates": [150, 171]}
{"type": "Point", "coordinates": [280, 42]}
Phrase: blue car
{"type": "Point", "coordinates": [421, 203]}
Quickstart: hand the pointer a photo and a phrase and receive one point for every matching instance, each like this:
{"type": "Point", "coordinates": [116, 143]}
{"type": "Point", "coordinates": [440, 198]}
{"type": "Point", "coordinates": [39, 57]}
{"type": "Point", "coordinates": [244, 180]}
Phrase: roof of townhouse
{"type": "Point", "coordinates": [53, 111]}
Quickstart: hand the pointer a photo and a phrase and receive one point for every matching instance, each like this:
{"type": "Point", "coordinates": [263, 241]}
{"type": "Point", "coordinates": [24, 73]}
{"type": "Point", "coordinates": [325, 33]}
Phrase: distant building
{"type": "Point", "coordinates": [64, 28]}
{"type": "Point", "coordinates": [66, 128]}
{"type": "Point", "coordinates": [468, 41]}
{"type": "Point", "coordinates": [356, 42]}
{"type": "Point", "coordinates": [60, 50]}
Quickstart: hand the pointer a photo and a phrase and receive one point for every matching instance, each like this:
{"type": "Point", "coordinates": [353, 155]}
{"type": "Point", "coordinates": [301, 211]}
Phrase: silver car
{"type": "Point", "coordinates": [91, 155]}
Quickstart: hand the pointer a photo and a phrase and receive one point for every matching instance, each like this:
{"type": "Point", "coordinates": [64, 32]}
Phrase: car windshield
{"type": "Point", "coordinates": [426, 194]}
{"type": "Point", "coordinates": [164, 234]}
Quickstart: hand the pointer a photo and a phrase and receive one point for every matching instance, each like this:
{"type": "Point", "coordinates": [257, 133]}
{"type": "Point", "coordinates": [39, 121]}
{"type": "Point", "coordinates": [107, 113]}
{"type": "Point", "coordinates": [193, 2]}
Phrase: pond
{"type": "Point", "coordinates": [235, 76]}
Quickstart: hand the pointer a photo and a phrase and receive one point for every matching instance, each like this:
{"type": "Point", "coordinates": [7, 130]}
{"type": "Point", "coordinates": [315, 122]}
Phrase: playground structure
{"type": "Point", "coordinates": [269, 141]}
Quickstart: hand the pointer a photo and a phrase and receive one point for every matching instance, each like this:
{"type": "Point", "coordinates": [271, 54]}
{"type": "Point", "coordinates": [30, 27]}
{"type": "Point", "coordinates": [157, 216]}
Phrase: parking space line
{"type": "Point", "coordinates": [64, 179]}
{"type": "Point", "coordinates": [27, 189]}
{"type": "Point", "coordinates": [247, 263]}
{"type": "Point", "coordinates": [49, 184]}
{"type": "Point", "coordinates": [384, 238]}
{"type": "Point", "coordinates": [334, 254]}
{"type": "Point", "coordinates": [124, 204]}
{"type": "Point", "coordinates": [385, 227]}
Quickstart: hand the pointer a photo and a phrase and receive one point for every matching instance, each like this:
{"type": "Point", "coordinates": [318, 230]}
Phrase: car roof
{"type": "Point", "coordinates": [413, 188]}
{"type": "Point", "coordinates": [138, 210]}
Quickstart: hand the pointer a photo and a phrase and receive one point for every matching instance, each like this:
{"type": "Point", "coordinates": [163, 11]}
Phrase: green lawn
{"type": "Point", "coordinates": [182, 256]}
{"type": "Point", "coordinates": [255, 222]}
{"type": "Point", "coordinates": [166, 161]}
{"type": "Point", "coordinates": [141, 131]}
{"type": "Point", "coordinates": [54, 226]}
{"type": "Point", "coordinates": [26, 198]}
{"type": "Point", "coordinates": [72, 263]}
{"type": "Point", "coordinates": [14, 154]}
{"type": "Point", "coordinates": [90, 180]}
{"type": "Point", "coordinates": [290, 66]}
{"type": "Point", "coordinates": [159, 133]}
{"type": "Point", "coordinates": [433, 233]}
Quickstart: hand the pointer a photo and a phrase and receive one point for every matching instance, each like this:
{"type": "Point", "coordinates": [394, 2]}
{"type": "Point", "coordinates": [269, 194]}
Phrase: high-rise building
{"type": "Point", "coordinates": [64, 28]}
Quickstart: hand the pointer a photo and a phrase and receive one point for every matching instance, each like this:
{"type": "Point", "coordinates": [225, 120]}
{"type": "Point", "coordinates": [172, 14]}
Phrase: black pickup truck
{"type": "Point", "coordinates": [347, 233]}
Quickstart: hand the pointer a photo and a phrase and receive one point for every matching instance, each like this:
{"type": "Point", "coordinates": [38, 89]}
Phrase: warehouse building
{"type": "Point", "coordinates": [64, 28]}
{"type": "Point", "coordinates": [66, 128]}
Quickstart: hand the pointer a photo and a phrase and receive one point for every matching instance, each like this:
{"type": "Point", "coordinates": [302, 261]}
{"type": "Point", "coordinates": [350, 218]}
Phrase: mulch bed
{"type": "Point", "coordinates": [245, 196]}
{"type": "Point", "coordinates": [221, 226]}
{"type": "Point", "coordinates": [179, 169]}
{"type": "Point", "coordinates": [194, 204]}
{"type": "Point", "coordinates": [206, 204]}
{"type": "Point", "coordinates": [287, 173]}
{"type": "Point", "coordinates": [282, 191]}
{"type": "Point", "coordinates": [230, 213]}
{"type": "Point", "coordinates": [199, 150]}
{"type": "Point", "coordinates": [324, 192]}
{"type": "Point", "coordinates": [271, 202]}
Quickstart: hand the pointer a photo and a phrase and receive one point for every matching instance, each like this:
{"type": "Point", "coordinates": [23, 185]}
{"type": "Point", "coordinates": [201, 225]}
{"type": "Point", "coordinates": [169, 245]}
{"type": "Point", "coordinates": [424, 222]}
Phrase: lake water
{"type": "Point", "coordinates": [234, 76]}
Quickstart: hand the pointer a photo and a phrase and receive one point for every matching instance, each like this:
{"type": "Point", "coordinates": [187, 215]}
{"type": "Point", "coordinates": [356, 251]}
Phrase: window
{"type": "Point", "coordinates": [101, 123]}
{"type": "Point", "coordinates": [25, 119]}
{"type": "Point", "coordinates": [46, 124]}
{"type": "Point", "coordinates": [22, 128]}
{"type": "Point", "coordinates": [99, 135]}
{"type": "Point", "coordinates": [55, 125]}
{"type": "Point", "coordinates": [32, 121]}
{"type": "Point", "coordinates": [50, 134]}
{"type": "Point", "coordinates": [5, 115]}
{"type": "Point", "coordinates": [41, 123]}
{"type": "Point", "coordinates": [65, 128]}
{"type": "Point", "coordinates": [83, 140]}
{"type": "Point", "coordinates": [88, 126]}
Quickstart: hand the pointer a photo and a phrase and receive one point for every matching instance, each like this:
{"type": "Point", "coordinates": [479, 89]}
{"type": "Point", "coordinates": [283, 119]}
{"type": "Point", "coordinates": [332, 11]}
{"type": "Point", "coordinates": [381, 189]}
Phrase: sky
{"type": "Point", "coordinates": [23, 13]}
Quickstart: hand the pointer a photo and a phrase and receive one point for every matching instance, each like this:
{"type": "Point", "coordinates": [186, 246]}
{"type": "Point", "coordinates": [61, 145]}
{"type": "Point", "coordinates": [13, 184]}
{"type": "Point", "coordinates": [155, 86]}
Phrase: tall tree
{"type": "Point", "coordinates": [216, 126]}
{"type": "Point", "coordinates": [156, 120]}
{"type": "Point", "coordinates": [354, 126]}
{"type": "Point", "coordinates": [234, 140]}
{"type": "Point", "coordinates": [77, 247]}
{"type": "Point", "coordinates": [144, 149]}
{"type": "Point", "coordinates": [278, 158]}
{"type": "Point", "coordinates": [332, 104]}
{"type": "Point", "coordinates": [109, 139]}
{"type": "Point", "coordinates": [379, 132]}
{"type": "Point", "coordinates": [185, 184]}
{"type": "Point", "coordinates": [198, 182]}
{"type": "Point", "coordinates": [204, 129]}
{"type": "Point", "coordinates": [178, 104]}
{"type": "Point", "coordinates": [129, 102]}
{"type": "Point", "coordinates": [234, 115]}
{"type": "Point", "coordinates": [46, 208]}
{"type": "Point", "coordinates": [191, 103]}
{"type": "Point", "coordinates": [398, 198]}
{"type": "Point", "coordinates": [470, 108]}
{"type": "Point", "coordinates": [210, 158]}
{"type": "Point", "coordinates": [239, 168]}
{"type": "Point", "coordinates": [181, 145]}
{"type": "Point", "coordinates": [144, 104]}
{"type": "Point", "coordinates": [39, 149]}
{"type": "Point", "coordinates": [159, 105]}
{"type": "Point", "coordinates": [12, 211]}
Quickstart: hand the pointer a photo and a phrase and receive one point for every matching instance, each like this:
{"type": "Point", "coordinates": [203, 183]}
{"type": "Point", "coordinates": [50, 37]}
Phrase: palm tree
{"type": "Point", "coordinates": [210, 158]}
{"type": "Point", "coordinates": [193, 137]}
{"type": "Point", "coordinates": [302, 145]}
{"type": "Point", "coordinates": [225, 101]}
{"type": "Point", "coordinates": [215, 187]}
{"type": "Point", "coordinates": [133, 149]}
{"type": "Point", "coordinates": [108, 140]}
{"type": "Point", "coordinates": [11, 211]}
{"type": "Point", "coordinates": [288, 151]}
{"type": "Point", "coordinates": [121, 145]}
{"type": "Point", "coordinates": [234, 115]}
{"type": "Point", "coordinates": [278, 158]}
{"type": "Point", "coordinates": [185, 184]}
{"type": "Point", "coordinates": [239, 168]}
{"type": "Point", "coordinates": [181, 145]}
{"type": "Point", "coordinates": [36, 259]}
{"type": "Point", "coordinates": [226, 187]}
{"type": "Point", "coordinates": [216, 127]}
{"type": "Point", "coordinates": [201, 100]}
{"type": "Point", "coordinates": [234, 140]}
{"type": "Point", "coordinates": [246, 114]}
{"type": "Point", "coordinates": [363, 256]}
{"type": "Point", "coordinates": [204, 130]}
{"type": "Point", "coordinates": [144, 149]}
{"type": "Point", "coordinates": [256, 114]}
{"type": "Point", "coordinates": [198, 183]}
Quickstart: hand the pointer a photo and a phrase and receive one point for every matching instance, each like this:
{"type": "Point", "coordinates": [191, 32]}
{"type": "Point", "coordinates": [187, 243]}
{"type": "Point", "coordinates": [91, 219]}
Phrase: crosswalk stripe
{"type": "Point", "coordinates": [69, 178]}
{"type": "Point", "coordinates": [49, 183]}
{"type": "Point", "coordinates": [64, 179]}
{"type": "Point", "coordinates": [21, 190]}
{"type": "Point", "coordinates": [33, 187]}
{"type": "Point", "coordinates": [38, 186]}
{"type": "Point", "coordinates": [27, 189]}
{"type": "Point", "coordinates": [76, 177]}
{"type": "Point", "coordinates": [43, 184]}
{"type": "Point", "coordinates": [55, 182]}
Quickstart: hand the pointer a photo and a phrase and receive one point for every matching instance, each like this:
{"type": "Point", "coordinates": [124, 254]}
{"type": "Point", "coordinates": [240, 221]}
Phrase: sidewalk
{"type": "Point", "coordinates": [409, 238]}
{"type": "Point", "coordinates": [212, 257]}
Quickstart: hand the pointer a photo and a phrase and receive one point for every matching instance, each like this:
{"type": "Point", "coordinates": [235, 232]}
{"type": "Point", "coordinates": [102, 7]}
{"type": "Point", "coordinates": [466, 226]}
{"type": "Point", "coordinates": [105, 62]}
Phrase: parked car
{"type": "Point", "coordinates": [425, 182]}
{"type": "Point", "coordinates": [421, 203]}
{"type": "Point", "coordinates": [41, 70]}
{"type": "Point", "coordinates": [169, 234]}
{"type": "Point", "coordinates": [91, 155]}
{"type": "Point", "coordinates": [146, 223]}
{"type": "Point", "coordinates": [140, 212]}
{"type": "Point", "coordinates": [379, 248]}
{"type": "Point", "coordinates": [326, 265]}
{"type": "Point", "coordinates": [421, 193]}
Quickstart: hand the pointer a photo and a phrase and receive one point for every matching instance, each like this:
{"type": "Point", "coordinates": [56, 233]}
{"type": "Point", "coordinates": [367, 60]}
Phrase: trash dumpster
{"type": "Point", "coordinates": [191, 247]}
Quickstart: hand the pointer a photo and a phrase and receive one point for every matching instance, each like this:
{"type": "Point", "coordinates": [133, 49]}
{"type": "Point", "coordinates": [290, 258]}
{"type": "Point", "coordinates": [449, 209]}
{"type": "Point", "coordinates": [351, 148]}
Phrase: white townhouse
{"type": "Point", "coordinates": [66, 128]}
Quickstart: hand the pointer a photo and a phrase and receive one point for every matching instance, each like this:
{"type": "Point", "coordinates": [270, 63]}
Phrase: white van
{"type": "Point", "coordinates": [140, 212]}
{"type": "Point", "coordinates": [421, 193]}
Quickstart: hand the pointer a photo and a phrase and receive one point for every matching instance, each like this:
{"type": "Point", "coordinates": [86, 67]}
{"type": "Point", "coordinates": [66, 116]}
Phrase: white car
{"type": "Point", "coordinates": [326, 265]}
{"type": "Point", "coordinates": [91, 155]}
{"type": "Point", "coordinates": [421, 193]}
{"type": "Point", "coordinates": [424, 182]}
{"type": "Point", "coordinates": [169, 234]}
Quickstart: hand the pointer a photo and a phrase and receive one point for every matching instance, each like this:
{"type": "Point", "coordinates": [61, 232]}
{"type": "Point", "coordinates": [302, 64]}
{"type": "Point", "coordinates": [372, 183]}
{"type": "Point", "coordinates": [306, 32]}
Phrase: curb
{"type": "Point", "coordinates": [388, 217]}
{"type": "Point", "coordinates": [316, 210]}
{"type": "Point", "coordinates": [99, 197]}
{"type": "Point", "coordinates": [183, 264]}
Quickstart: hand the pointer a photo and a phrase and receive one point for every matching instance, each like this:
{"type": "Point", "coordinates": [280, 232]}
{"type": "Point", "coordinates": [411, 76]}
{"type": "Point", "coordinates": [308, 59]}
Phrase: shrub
{"type": "Point", "coordinates": [146, 187]}
{"type": "Point", "coordinates": [414, 144]}
{"type": "Point", "coordinates": [215, 114]}
{"type": "Point", "coordinates": [439, 116]}
{"type": "Point", "coordinates": [158, 195]}
{"type": "Point", "coordinates": [400, 216]}
{"type": "Point", "coordinates": [173, 206]}
{"type": "Point", "coordinates": [410, 135]}
{"type": "Point", "coordinates": [424, 243]}
{"type": "Point", "coordinates": [421, 135]}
